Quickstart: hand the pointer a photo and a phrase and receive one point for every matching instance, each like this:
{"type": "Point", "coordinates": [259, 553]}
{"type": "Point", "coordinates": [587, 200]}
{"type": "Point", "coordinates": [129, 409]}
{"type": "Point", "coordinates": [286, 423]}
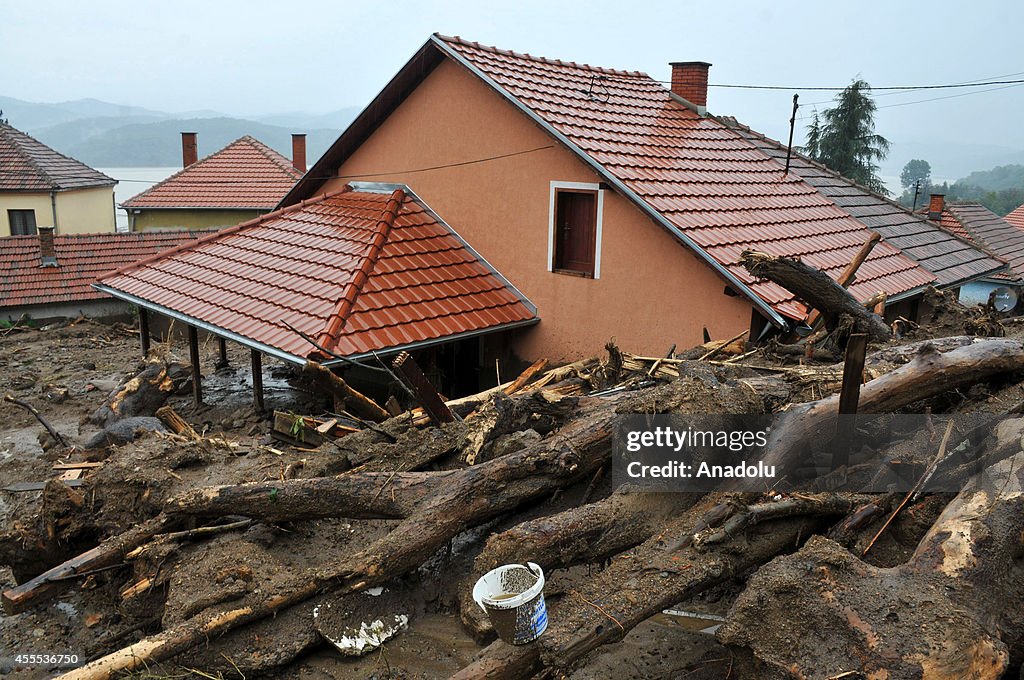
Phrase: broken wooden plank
{"type": "Point", "coordinates": [83, 465]}
{"type": "Point", "coordinates": [405, 366]}
{"type": "Point", "coordinates": [526, 376]}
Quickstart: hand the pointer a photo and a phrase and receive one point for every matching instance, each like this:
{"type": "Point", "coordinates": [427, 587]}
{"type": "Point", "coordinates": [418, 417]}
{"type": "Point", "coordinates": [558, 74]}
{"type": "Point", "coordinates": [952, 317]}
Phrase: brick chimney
{"type": "Point", "coordinates": [936, 204]}
{"type": "Point", "coordinates": [690, 81]}
{"type": "Point", "coordinates": [47, 250]}
{"type": "Point", "coordinates": [189, 149]}
{"type": "Point", "coordinates": [299, 152]}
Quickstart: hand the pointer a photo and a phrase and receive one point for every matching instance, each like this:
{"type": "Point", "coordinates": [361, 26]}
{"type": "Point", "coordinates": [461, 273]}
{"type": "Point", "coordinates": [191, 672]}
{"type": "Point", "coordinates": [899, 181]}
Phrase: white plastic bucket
{"type": "Point", "coordinates": [513, 598]}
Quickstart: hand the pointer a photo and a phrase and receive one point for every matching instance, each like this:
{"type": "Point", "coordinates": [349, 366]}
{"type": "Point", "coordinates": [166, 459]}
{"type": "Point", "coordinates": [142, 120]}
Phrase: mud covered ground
{"type": "Point", "coordinates": [67, 370]}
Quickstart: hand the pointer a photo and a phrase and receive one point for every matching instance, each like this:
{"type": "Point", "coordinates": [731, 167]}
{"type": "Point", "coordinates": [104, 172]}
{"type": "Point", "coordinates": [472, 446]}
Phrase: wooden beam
{"type": "Point", "coordinates": [850, 273]}
{"type": "Point", "coordinates": [405, 366]}
{"type": "Point", "coordinates": [849, 395]}
{"type": "Point", "coordinates": [257, 380]}
{"type": "Point", "coordinates": [193, 354]}
{"type": "Point", "coordinates": [144, 331]}
{"type": "Point", "coordinates": [222, 353]}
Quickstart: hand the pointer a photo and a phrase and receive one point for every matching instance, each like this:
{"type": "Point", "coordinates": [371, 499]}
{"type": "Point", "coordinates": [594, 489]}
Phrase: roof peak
{"type": "Point", "coordinates": [54, 170]}
{"type": "Point", "coordinates": [544, 60]}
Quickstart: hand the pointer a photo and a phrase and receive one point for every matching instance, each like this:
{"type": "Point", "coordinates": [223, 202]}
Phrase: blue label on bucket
{"type": "Point", "coordinates": [540, 619]}
{"type": "Point", "coordinates": [532, 624]}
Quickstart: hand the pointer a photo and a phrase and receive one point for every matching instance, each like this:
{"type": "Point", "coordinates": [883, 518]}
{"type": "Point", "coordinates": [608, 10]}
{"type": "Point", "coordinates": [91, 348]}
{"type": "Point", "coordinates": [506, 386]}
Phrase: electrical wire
{"type": "Point", "coordinates": [371, 174]}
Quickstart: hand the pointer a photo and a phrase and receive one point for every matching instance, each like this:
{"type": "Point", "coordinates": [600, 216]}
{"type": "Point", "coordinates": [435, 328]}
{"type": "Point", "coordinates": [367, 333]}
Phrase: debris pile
{"type": "Point", "coordinates": [236, 555]}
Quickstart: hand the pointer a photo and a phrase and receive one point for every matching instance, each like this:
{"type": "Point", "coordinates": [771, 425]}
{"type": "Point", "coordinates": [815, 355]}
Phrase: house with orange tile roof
{"type": "Point", "coordinates": [347, 275]}
{"type": "Point", "coordinates": [996, 236]}
{"type": "Point", "coordinates": [620, 206]}
{"type": "Point", "coordinates": [1016, 217]}
{"type": "Point", "coordinates": [41, 187]}
{"type": "Point", "coordinates": [238, 183]}
{"type": "Point", "coordinates": [47, 275]}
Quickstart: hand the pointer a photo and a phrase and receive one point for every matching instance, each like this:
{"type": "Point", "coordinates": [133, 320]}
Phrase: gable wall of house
{"type": "Point", "coordinates": [85, 211]}
{"type": "Point", "coordinates": [652, 291]}
{"type": "Point", "coordinates": [183, 218]}
{"type": "Point", "coordinates": [17, 200]}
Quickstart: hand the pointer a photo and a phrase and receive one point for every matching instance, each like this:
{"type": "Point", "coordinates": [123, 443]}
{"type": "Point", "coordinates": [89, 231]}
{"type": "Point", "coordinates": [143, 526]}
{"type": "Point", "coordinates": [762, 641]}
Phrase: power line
{"type": "Point", "coordinates": [371, 174]}
{"type": "Point", "coordinates": [932, 99]}
{"type": "Point", "coordinates": [905, 88]}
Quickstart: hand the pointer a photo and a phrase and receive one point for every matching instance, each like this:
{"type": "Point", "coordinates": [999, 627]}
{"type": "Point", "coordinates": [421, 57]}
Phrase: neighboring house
{"type": "Point", "coordinates": [240, 182]}
{"type": "Point", "coordinates": [1016, 217]}
{"type": "Point", "coordinates": [982, 227]}
{"type": "Point", "coordinates": [350, 273]}
{"type": "Point", "coordinates": [46, 276]}
{"type": "Point", "coordinates": [620, 207]}
{"type": "Point", "coordinates": [41, 187]}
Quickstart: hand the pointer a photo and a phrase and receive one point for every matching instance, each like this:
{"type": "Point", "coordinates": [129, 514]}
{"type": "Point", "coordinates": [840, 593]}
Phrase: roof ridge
{"type": "Point", "coordinates": [329, 335]}
{"type": "Point", "coordinates": [544, 60]}
{"type": "Point", "coordinates": [28, 157]}
{"type": "Point", "coordinates": [280, 159]}
{"type": "Point", "coordinates": [231, 230]}
{"type": "Point", "coordinates": [193, 166]}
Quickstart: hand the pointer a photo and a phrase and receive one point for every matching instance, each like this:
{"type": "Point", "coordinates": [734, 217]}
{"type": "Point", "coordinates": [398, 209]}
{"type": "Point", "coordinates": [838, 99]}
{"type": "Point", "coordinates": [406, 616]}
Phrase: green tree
{"type": "Point", "coordinates": [916, 171]}
{"type": "Point", "coordinates": [845, 138]}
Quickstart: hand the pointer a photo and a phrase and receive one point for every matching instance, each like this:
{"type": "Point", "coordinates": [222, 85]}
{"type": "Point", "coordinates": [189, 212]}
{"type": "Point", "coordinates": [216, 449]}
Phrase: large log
{"type": "Point", "coordinates": [588, 533]}
{"type": "Point", "coordinates": [952, 611]}
{"type": "Point", "coordinates": [928, 375]}
{"type": "Point", "coordinates": [818, 290]}
{"type": "Point", "coordinates": [470, 497]}
{"type": "Point", "coordinates": [359, 403]}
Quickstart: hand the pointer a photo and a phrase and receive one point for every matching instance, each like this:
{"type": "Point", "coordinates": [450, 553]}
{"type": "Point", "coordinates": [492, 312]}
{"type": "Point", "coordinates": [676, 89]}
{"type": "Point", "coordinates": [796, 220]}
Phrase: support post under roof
{"type": "Point", "coordinates": [193, 354]}
{"type": "Point", "coordinates": [144, 331]}
{"type": "Point", "coordinates": [257, 380]}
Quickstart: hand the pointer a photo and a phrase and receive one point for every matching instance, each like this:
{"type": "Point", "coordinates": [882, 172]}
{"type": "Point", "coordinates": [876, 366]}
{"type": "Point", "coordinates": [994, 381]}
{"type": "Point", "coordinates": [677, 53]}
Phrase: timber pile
{"type": "Point", "coordinates": [812, 601]}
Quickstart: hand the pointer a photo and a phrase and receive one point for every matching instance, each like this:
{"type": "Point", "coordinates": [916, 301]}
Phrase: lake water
{"type": "Point", "coordinates": [131, 181]}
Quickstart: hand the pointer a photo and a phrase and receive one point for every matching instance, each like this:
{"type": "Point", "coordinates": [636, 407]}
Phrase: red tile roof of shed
{"type": "Point", "coordinates": [359, 271]}
{"type": "Point", "coordinates": [245, 174]}
{"type": "Point", "coordinates": [716, 187]}
{"type": "Point", "coordinates": [82, 258]}
{"type": "Point", "coordinates": [26, 164]}
{"type": "Point", "coordinates": [1016, 217]}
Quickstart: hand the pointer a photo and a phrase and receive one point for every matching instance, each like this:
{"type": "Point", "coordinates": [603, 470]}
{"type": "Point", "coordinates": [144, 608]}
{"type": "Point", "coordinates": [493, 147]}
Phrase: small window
{"type": "Point", "coordinates": [23, 222]}
{"type": "Point", "coordinates": [575, 232]}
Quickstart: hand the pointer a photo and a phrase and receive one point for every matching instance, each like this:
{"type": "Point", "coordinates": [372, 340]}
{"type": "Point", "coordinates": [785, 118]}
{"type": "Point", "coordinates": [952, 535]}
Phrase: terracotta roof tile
{"type": "Point", "coordinates": [83, 258]}
{"type": "Point", "coordinates": [338, 268]}
{"type": "Point", "coordinates": [246, 174]}
{"type": "Point", "coordinates": [952, 261]}
{"type": "Point", "coordinates": [26, 164]}
{"type": "Point", "coordinates": [1016, 217]}
{"type": "Point", "coordinates": [710, 182]}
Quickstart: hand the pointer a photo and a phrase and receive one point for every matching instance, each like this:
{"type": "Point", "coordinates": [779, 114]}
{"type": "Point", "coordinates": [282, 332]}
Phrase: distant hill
{"type": "Point", "coordinates": [102, 134]}
{"type": "Point", "coordinates": [997, 179]}
{"type": "Point", "coordinates": [158, 143]}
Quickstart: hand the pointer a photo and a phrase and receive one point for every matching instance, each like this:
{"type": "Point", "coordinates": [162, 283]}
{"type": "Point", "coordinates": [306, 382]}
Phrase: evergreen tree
{"type": "Point", "coordinates": [844, 137]}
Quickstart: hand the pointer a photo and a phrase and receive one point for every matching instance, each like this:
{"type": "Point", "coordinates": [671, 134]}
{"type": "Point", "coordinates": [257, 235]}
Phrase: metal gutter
{"type": "Point", "coordinates": [772, 315]}
{"type": "Point", "coordinates": [210, 328]}
{"type": "Point", "coordinates": [429, 343]}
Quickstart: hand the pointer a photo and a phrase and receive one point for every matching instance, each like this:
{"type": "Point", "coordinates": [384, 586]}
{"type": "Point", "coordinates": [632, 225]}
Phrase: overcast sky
{"type": "Point", "coordinates": [257, 57]}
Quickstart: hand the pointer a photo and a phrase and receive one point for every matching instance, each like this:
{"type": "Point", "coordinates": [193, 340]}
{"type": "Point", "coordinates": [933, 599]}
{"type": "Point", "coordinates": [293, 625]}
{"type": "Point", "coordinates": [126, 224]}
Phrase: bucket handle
{"type": "Point", "coordinates": [530, 566]}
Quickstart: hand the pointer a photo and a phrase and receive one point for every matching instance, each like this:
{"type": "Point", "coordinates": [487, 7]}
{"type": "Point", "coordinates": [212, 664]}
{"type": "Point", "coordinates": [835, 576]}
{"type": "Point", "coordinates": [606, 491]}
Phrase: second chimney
{"type": "Point", "coordinates": [189, 149]}
{"type": "Point", "coordinates": [47, 250]}
{"type": "Point", "coordinates": [299, 152]}
{"type": "Point", "coordinates": [936, 204]}
{"type": "Point", "coordinates": [690, 81]}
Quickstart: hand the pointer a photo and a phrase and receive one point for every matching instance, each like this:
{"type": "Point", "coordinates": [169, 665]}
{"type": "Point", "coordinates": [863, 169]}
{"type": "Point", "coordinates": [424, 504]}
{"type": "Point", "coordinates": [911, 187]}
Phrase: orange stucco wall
{"type": "Point", "coordinates": [652, 291]}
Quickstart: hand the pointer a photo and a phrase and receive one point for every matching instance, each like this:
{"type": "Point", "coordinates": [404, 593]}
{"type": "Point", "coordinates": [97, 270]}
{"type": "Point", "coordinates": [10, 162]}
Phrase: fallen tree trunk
{"type": "Point", "coordinates": [353, 400]}
{"type": "Point", "coordinates": [952, 611]}
{"type": "Point", "coordinates": [110, 552]}
{"type": "Point", "coordinates": [642, 582]}
{"type": "Point", "coordinates": [470, 497]}
{"type": "Point", "coordinates": [928, 375]}
{"type": "Point", "coordinates": [585, 534]}
{"type": "Point", "coordinates": [817, 289]}
{"type": "Point", "coordinates": [143, 394]}
{"type": "Point", "coordinates": [358, 495]}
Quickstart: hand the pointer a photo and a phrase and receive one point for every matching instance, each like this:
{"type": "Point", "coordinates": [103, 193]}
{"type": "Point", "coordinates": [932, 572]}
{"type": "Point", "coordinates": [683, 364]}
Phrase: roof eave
{"type": "Point", "coordinates": [409, 347]}
{"type": "Point", "coordinates": [199, 323]}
